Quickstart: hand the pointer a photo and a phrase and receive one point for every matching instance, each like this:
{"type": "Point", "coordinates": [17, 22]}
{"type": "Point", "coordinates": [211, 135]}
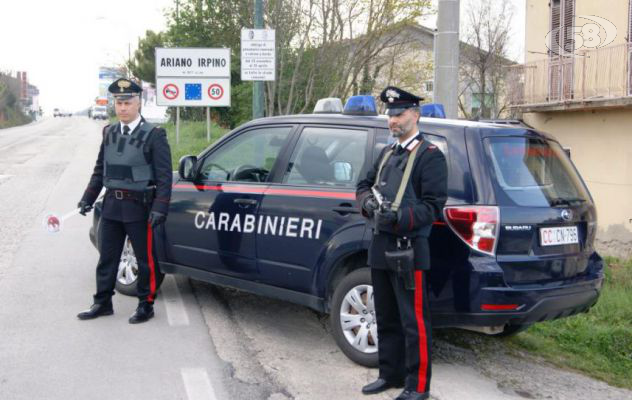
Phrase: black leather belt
{"type": "Point", "coordinates": [118, 194]}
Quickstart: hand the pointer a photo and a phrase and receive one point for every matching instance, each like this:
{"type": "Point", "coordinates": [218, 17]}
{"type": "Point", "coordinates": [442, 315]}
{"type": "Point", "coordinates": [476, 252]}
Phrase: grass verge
{"type": "Point", "coordinates": [192, 138]}
{"type": "Point", "coordinates": [598, 343]}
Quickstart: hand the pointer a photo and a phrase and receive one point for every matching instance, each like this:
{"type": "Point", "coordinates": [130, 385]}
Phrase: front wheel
{"type": "Point", "coordinates": [353, 318]}
{"type": "Point", "coordinates": [127, 275]}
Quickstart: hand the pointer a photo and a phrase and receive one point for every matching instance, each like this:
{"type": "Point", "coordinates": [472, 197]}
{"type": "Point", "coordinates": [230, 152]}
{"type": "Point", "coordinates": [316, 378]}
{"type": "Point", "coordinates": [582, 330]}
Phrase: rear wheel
{"type": "Point", "coordinates": [127, 275]}
{"type": "Point", "coordinates": [353, 318]}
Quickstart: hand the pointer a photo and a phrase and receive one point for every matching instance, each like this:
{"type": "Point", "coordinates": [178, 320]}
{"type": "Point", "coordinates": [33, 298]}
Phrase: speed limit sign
{"type": "Point", "coordinates": [215, 91]}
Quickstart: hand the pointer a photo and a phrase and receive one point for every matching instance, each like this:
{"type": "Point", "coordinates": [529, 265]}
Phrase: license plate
{"type": "Point", "coordinates": [558, 235]}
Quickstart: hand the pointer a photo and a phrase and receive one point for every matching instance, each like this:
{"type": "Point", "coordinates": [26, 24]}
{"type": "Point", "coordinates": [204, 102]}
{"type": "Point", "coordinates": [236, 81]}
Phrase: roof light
{"type": "Point", "coordinates": [329, 105]}
{"type": "Point", "coordinates": [363, 104]}
{"type": "Point", "coordinates": [477, 226]}
{"type": "Point", "coordinates": [433, 110]}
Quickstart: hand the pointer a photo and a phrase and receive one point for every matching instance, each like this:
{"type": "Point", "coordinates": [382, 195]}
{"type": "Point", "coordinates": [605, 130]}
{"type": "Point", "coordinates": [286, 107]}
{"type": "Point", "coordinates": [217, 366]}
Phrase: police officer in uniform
{"type": "Point", "coordinates": [134, 165]}
{"type": "Point", "coordinates": [402, 195]}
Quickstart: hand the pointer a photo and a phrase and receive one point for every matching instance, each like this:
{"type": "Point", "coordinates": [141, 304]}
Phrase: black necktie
{"type": "Point", "coordinates": [126, 130]}
{"type": "Point", "coordinates": [399, 150]}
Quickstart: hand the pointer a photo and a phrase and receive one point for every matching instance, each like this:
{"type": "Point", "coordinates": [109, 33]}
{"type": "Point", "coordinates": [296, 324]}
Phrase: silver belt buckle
{"type": "Point", "coordinates": [118, 194]}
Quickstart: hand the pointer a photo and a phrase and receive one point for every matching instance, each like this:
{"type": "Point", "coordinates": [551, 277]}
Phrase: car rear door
{"type": "Point", "coordinates": [213, 220]}
{"type": "Point", "coordinates": [312, 200]}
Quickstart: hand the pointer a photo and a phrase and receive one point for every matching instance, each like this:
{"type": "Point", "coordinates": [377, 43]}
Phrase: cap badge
{"type": "Point", "coordinates": [392, 95]}
{"type": "Point", "coordinates": [123, 85]}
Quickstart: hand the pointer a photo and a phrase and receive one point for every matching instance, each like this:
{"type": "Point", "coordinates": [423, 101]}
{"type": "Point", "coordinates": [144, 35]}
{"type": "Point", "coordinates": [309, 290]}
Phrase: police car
{"type": "Point", "coordinates": [270, 208]}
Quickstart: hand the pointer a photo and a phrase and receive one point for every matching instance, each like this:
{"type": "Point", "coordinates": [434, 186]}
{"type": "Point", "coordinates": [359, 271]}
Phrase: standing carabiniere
{"type": "Point", "coordinates": [402, 195]}
{"type": "Point", "coordinates": [134, 165]}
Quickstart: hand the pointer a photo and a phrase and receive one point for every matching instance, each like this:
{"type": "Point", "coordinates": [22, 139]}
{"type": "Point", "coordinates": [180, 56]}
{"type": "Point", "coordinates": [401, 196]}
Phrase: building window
{"type": "Point", "coordinates": [562, 46]}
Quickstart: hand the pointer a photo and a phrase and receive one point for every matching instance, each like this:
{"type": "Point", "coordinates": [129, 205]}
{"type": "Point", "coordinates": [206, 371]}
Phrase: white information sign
{"type": "Point", "coordinates": [258, 56]}
{"type": "Point", "coordinates": [193, 77]}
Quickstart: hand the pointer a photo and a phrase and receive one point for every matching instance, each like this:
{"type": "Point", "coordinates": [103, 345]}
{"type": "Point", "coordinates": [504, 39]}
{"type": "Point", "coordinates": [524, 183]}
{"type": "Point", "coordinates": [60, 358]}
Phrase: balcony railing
{"type": "Point", "coordinates": [600, 74]}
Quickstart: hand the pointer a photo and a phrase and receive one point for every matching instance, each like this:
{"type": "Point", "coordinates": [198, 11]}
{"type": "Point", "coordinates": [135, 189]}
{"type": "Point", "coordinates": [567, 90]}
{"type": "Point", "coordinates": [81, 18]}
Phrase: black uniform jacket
{"type": "Point", "coordinates": [429, 180]}
{"type": "Point", "coordinates": [158, 154]}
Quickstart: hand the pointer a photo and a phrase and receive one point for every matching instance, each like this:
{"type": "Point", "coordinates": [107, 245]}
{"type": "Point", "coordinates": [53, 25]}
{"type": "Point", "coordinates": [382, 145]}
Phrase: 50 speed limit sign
{"type": "Point", "coordinates": [215, 91]}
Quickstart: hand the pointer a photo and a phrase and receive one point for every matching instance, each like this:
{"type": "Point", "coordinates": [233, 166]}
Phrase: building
{"type": "Point", "coordinates": [576, 84]}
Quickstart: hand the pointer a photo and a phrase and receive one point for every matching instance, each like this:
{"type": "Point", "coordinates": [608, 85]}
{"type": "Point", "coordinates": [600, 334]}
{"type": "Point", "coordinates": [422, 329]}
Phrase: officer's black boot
{"type": "Point", "coordinates": [380, 385]}
{"type": "Point", "coordinates": [412, 395]}
{"type": "Point", "coordinates": [144, 313]}
{"type": "Point", "coordinates": [97, 310]}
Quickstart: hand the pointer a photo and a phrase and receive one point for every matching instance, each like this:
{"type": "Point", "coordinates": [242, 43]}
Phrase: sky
{"type": "Point", "coordinates": [62, 43]}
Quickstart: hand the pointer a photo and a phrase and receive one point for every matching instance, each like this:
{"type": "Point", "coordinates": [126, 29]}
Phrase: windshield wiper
{"type": "Point", "coordinates": [565, 202]}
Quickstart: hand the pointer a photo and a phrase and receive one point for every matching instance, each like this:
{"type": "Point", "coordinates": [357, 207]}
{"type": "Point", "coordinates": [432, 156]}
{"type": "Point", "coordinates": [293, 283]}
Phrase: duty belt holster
{"type": "Point", "coordinates": [402, 261]}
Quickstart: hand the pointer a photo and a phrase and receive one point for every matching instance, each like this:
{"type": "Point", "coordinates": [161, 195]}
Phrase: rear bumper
{"type": "Point", "coordinates": [535, 303]}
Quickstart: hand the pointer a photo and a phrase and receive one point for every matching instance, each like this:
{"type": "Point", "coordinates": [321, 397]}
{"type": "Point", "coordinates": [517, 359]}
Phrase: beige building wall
{"type": "Point", "coordinates": [601, 148]}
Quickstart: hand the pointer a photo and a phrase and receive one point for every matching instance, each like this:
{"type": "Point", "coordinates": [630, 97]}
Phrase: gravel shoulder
{"type": "Point", "coordinates": [283, 351]}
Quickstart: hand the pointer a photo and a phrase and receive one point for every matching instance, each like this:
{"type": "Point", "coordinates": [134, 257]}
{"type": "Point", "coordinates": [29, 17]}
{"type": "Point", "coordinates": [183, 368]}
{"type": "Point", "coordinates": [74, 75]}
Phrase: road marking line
{"type": "Point", "coordinates": [197, 384]}
{"type": "Point", "coordinates": [174, 306]}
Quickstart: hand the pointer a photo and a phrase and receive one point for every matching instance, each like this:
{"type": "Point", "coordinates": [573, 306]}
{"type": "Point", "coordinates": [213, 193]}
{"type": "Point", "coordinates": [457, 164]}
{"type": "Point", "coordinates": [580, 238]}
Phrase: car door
{"type": "Point", "coordinates": [212, 220]}
{"type": "Point", "coordinates": [312, 199]}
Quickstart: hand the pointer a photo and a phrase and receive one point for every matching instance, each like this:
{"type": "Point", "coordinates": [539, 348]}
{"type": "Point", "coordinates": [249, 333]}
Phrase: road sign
{"type": "Point", "coordinates": [194, 92]}
{"type": "Point", "coordinates": [215, 91]}
{"type": "Point", "coordinates": [258, 56]}
{"type": "Point", "coordinates": [185, 76]}
{"type": "Point", "coordinates": [170, 91]}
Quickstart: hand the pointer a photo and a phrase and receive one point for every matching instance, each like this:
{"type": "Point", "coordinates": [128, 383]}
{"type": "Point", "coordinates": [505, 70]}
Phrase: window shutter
{"type": "Point", "coordinates": [568, 15]}
{"type": "Point", "coordinates": [554, 49]}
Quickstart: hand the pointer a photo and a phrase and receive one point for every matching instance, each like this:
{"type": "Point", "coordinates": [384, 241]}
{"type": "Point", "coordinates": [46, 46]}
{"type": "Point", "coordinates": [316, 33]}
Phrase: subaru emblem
{"type": "Point", "coordinates": [566, 215]}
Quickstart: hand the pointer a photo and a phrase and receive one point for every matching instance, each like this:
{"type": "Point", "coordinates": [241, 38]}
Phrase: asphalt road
{"type": "Point", "coordinates": [205, 342]}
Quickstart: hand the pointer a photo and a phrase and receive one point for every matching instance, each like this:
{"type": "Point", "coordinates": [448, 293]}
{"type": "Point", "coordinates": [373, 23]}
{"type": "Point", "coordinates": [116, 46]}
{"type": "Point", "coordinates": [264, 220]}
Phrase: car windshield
{"type": "Point", "coordinates": [535, 172]}
{"type": "Point", "coordinates": [99, 109]}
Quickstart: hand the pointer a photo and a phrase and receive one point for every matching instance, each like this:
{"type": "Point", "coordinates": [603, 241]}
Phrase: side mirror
{"type": "Point", "coordinates": [186, 169]}
{"type": "Point", "coordinates": [343, 171]}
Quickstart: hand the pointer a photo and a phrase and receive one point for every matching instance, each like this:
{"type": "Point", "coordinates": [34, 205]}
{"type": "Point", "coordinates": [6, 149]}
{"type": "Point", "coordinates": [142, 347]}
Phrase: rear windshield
{"type": "Point", "coordinates": [535, 172]}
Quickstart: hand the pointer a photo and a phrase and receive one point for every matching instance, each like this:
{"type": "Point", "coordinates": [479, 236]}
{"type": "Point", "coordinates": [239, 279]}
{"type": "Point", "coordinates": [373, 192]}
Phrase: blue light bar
{"type": "Point", "coordinates": [363, 104]}
{"type": "Point", "coordinates": [433, 110]}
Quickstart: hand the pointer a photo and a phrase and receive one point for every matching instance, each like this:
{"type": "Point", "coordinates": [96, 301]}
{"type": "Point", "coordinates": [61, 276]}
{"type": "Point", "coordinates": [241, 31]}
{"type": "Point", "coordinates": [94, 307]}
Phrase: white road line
{"type": "Point", "coordinates": [197, 384]}
{"type": "Point", "coordinates": [174, 306]}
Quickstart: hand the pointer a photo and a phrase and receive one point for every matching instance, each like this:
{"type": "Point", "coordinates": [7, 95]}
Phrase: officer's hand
{"type": "Point", "coordinates": [84, 207]}
{"type": "Point", "coordinates": [385, 217]}
{"type": "Point", "coordinates": [156, 218]}
{"type": "Point", "coordinates": [369, 205]}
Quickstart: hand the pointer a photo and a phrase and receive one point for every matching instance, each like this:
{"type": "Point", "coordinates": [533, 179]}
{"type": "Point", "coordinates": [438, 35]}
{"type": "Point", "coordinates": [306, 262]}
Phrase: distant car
{"type": "Point", "coordinates": [271, 208]}
{"type": "Point", "coordinates": [99, 112]}
{"type": "Point", "coordinates": [57, 113]}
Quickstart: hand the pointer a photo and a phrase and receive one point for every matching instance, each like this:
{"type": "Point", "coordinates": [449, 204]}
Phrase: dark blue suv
{"type": "Point", "coordinates": [270, 208]}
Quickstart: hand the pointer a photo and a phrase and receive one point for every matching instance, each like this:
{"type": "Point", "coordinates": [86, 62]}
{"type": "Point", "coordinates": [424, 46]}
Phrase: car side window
{"type": "Point", "coordinates": [438, 141]}
{"type": "Point", "coordinates": [249, 157]}
{"type": "Point", "coordinates": [329, 156]}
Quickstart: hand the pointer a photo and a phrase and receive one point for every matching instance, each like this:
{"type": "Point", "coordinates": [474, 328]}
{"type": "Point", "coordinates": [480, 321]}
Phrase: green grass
{"type": "Point", "coordinates": [598, 343]}
{"type": "Point", "coordinates": [192, 138]}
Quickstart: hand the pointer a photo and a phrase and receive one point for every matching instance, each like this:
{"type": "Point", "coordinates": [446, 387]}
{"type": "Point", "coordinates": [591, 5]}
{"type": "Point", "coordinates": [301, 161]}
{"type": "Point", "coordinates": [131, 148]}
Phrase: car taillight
{"type": "Point", "coordinates": [476, 225]}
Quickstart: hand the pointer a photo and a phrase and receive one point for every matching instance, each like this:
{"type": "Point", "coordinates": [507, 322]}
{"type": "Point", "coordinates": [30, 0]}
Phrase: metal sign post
{"type": "Point", "coordinates": [208, 124]}
{"type": "Point", "coordinates": [177, 125]}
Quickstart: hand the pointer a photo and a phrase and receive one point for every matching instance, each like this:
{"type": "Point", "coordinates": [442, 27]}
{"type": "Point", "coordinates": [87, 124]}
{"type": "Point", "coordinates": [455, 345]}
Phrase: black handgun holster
{"type": "Point", "coordinates": [402, 261]}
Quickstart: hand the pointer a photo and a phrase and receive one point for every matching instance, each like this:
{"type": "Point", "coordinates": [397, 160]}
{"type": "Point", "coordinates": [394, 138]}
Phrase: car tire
{"type": "Point", "coordinates": [512, 329]}
{"type": "Point", "coordinates": [127, 275]}
{"type": "Point", "coordinates": [352, 318]}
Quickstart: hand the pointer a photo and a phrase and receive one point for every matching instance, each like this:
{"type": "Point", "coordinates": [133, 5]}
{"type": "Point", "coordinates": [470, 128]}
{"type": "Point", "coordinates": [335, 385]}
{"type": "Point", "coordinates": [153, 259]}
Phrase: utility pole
{"type": "Point", "coordinates": [257, 90]}
{"type": "Point", "coordinates": [446, 52]}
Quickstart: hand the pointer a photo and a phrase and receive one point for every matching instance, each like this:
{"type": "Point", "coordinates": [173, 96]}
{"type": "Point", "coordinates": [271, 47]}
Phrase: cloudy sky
{"type": "Point", "coordinates": [62, 43]}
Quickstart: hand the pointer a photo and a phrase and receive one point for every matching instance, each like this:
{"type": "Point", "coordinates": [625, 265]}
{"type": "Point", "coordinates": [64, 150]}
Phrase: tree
{"type": "Point", "coordinates": [484, 59]}
{"type": "Point", "coordinates": [143, 64]}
